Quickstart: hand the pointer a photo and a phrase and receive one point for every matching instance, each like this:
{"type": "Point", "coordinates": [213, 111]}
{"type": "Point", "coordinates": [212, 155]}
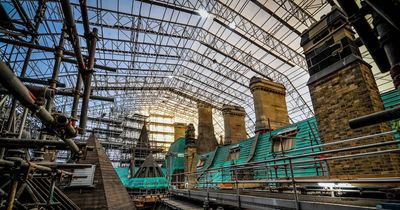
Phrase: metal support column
{"type": "Point", "coordinates": [296, 199]}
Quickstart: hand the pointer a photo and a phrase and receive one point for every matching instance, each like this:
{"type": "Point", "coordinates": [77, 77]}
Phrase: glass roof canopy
{"type": "Point", "coordinates": [169, 54]}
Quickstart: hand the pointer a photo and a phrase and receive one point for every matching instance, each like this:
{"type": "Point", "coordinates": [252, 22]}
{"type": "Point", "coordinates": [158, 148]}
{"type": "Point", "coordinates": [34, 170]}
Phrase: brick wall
{"type": "Point", "coordinates": [206, 140]}
{"type": "Point", "coordinates": [346, 94]}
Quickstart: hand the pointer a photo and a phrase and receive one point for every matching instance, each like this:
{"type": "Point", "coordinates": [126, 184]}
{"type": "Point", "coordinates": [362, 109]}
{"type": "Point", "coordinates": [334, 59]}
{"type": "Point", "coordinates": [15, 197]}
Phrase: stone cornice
{"type": "Point", "coordinates": [233, 110]}
{"type": "Point", "coordinates": [262, 87]}
{"type": "Point", "coordinates": [267, 86]}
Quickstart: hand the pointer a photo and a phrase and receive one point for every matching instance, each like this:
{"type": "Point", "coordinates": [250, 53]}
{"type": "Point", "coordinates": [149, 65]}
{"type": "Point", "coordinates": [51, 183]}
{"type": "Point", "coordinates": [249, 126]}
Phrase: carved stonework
{"type": "Point", "coordinates": [269, 104]}
{"type": "Point", "coordinates": [190, 135]}
{"type": "Point", "coordinates": [206, 140]}
{"type": "Point", "coordinates": [179, 130]}
{"type": "Point", "coordinates": [267, 86]}
{"type": "Point", "coordinates": [234, 123]}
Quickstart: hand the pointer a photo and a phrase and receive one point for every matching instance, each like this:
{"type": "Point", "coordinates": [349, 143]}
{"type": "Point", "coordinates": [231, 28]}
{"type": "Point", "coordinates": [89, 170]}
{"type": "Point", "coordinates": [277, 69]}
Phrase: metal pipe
{"type": "Point", "coordinates": [366, 146]}
{"type": "Point", "coordinates": [102, 98]}
{"type": "Point", "coordinates": [6, 163]}
{"type": "Point", "coordinates": [26, 98]}
{"type": "Point", "coordinates": [29, 45]}
{"type": "Point", "coordinates": [51, 191]}
{"type": "Point", "coordinates": [387, 11]}
{"type": "Point", "coordinates": [19, 90]}
{"type": "Point", "coordinates": [13, 161]}
{"type": "Point", "coordinates": [362, 180]}
{"type": "Point", "coordinates": [386, 143]}
{"type": "Point", "coordinates": [365, 32]}
{"type": "Point", "coordinates": [22, 14]}
{"type": "Point", "coordinates": [57, 63]}
{"type": "Point", "coordinates": [344, 141]}
{"type": "Point", "coordinates": [37, 91]}
{"type": "Point", "coordinates": [374, 118]}
{"type": "Point", "coordinates": [3, 100]}
{"type": "Point", "coordinates": [88, 78]}
{"type": "Point", "coordinates": [85, 20]}
{"type": "Point", "coordinates": [56, 69]}
{"type": "Point", "coordinates": [49, 93]}
{"type": "Point", "coordinates": [50, 49]}
{"type": "Point", "coordinates": [99, 98]}
{"type": "Point", "coordinates": [38, 19]}
{"type": "Point", "coordinates": [296, 199]}
{"type": "Point", "coordinates": [32, 143]}
{"type": "Point", "coordinates": [11, 193]}
{"type": "Point", "coordinates": [40, 82]}
{"type": "Point", "coordinates": [75, 103]}
{"type": "Point", "coordinates": [65, 165]}
{"type": "Point", "coordinates": [105, 120]}
{"type": "Point", "coordinates": [389, 39]}
{"type": "Point", "coordinates": [74, 39]}
{"type": "Point", "coordinates": [6, 19]}
{"type": "Point", "coordinates": [73, 33]}
{"type": "Point", "coordinates": [382, 14]}
{"type": "Point", "coordinates": [68, 60]}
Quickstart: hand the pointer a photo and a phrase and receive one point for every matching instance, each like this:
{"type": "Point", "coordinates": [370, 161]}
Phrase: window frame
{"type": "Point", "coordinates": [285, 139]}
{"type": "Point", "coordinates": [234, 153]}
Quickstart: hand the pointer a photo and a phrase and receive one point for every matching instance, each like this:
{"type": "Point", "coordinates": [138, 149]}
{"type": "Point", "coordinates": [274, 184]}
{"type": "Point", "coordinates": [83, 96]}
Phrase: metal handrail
{"type": "Point", "coordinates": [387, 143]}
{"type": "Point", "coordinates": [291, 178]}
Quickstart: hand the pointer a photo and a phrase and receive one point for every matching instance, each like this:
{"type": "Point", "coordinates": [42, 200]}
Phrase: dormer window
{"type": "Point", "coordinates": [201, 161]}
{"type": "Point", "coordinates": [284, 140]}
{"type": "Point", "coordinates": [234, 153]}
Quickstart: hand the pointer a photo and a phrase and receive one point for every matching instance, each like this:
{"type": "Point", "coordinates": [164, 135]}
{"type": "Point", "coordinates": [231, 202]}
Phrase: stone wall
{"type": "Point", "coordinates": [190, 165]}
{"type": "Point", "coordinates": [269, 104]}
{"type": "Point", "coordinates": [234, 123]}
{"type": "Point", "coordinates": [179, 130]}
{"type": "Point", "coordinates": [206, 140]}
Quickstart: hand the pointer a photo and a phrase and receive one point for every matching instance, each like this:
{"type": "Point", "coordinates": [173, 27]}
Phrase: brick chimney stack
{"type": "Point", "coordinates": [342, 87]}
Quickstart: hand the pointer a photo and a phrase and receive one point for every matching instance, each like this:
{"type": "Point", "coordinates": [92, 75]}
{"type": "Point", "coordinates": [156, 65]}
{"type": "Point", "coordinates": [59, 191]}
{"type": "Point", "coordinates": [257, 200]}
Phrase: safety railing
{"type": "Point", "coordinates": [260, 174]}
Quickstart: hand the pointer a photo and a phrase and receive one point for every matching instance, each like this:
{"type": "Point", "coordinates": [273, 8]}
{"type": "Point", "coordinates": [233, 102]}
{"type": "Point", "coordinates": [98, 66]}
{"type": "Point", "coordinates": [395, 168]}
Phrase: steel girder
{"type": "Point", "coordinates": [186, 31]}
{"type": "Point", "coordinates": [246, 61]}
{"type": "Point", "coordinates": [227, 15]}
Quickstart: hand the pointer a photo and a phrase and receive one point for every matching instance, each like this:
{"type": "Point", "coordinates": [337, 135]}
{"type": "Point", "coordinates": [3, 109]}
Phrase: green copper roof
{"type": "Point", "coordinates": [307, 130]}
{"type": "Point", "coordinates": [391, 99]}
{"type": "Point", "coordinates": [176, 155]}
{"type": "Point", "coordinates": [141, 183]}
